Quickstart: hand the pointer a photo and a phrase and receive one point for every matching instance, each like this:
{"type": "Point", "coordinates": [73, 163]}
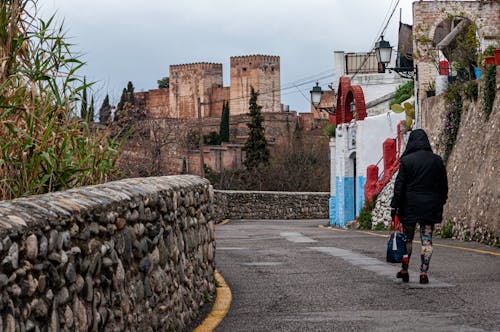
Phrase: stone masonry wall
{"type": "Point", "coordinates": [472, 166]}
{"type": "Point", "coordinates": [131, 255]}
{"type": "Point", "coordinates": [262, 72]}
{"type": "Point", "coordinates": [381, 213]}
{"type": "Point", "coordinates": [426, 17]}
{"type": "Point", "coordinates": [189, 82]}
{"type": "Point", "coordinates": [270, 205]}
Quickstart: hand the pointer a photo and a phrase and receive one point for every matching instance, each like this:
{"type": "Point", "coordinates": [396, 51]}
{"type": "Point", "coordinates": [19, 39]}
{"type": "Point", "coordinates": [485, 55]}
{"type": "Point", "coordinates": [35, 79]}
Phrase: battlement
{"type": "Point", "coordinates": [256, 58]}
{"type": "Point", "coordinates": [196, 66]}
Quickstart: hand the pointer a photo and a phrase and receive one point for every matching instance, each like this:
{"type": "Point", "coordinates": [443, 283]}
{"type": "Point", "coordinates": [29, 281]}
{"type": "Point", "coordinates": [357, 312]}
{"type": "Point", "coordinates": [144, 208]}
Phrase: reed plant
{"type": "Point", "coordinates": [44, 146]}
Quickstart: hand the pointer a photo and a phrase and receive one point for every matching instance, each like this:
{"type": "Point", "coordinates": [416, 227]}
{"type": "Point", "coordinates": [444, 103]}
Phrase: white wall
{"type": "Point", "coordinates": [376, 129]}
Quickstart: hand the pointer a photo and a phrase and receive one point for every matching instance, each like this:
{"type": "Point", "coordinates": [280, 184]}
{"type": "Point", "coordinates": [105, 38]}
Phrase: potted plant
{"type": "Point", "coordinates": [489, 55]}
{"type": "Point", "coordinates": [496, 51]}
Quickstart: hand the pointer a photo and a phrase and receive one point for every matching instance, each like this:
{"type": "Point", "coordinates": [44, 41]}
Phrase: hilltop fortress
{"type": "Point", "coordinates": [188, 82]}
{"type": "Point", "coordinates": [167, 123]}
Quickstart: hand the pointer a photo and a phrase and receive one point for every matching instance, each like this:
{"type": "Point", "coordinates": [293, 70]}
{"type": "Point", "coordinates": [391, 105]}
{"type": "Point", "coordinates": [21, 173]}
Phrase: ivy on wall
{"type": "Point", "coordinates": [489, 89]}
{"type": "Point", "coordinates": [454, 108]}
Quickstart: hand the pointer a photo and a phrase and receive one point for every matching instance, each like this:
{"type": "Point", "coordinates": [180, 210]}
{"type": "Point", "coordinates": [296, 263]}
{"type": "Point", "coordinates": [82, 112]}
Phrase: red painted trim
{"type": "Point", "coordinates": [346, 93]}
{"type": "Point", "coordinates": [391, 155]}
{"type": "Point", "coordinates": [359, 100]}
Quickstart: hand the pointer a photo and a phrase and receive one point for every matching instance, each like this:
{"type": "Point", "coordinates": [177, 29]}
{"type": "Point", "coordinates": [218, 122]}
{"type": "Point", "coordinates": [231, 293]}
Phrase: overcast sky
{"type": "Point", "coordinates": [130, 40]}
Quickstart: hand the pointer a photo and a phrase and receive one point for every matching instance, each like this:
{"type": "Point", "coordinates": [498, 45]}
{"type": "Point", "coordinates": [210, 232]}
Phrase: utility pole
{"type": "Point", "coordinates": [202, 159]}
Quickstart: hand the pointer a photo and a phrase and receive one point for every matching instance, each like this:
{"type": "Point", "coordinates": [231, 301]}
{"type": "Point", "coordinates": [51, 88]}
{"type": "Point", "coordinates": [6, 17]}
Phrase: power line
{"type": "Point", "coordinates": [292, 85]}
{"type": "Point", "coordinates": [376, 37]}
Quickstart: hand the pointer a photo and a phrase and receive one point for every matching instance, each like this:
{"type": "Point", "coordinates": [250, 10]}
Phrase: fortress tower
{"type": "Point", "coordinates": [189, 82]}
{"type": "Point", "coordinates": [263, 73]}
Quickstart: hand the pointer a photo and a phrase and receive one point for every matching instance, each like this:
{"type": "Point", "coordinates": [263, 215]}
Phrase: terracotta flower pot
{"type": "Point", "coordinates": [496, 51]}
{"type": "Point", "coordinates": [489, 60]}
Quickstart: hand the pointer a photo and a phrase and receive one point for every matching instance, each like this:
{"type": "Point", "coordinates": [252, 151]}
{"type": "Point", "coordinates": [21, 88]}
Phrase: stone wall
{"type": "Point", "coordinates": [427, 15]}
{"type": "Point", "coordinates": [157, 103]}
{"type": "Point", "coordinates": [270, 205]}
{"type": "Point", "coordinates": [263, 73]}
{"type": "Point", "coordinates": [381, 213]}
{"type": "Point", "coordinates": [131, 255]}
{"type": "Point", "coordinates": [472, 166]}
{"type": "Point", "coordinates": [188, 82]}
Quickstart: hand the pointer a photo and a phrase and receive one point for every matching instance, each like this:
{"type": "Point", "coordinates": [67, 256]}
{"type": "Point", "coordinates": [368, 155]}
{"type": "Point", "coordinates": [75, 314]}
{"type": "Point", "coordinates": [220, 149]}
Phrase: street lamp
{"type": "Point", "coordinates": [316, 94]}
{"type": "Point", "coordinates": [383, 51]}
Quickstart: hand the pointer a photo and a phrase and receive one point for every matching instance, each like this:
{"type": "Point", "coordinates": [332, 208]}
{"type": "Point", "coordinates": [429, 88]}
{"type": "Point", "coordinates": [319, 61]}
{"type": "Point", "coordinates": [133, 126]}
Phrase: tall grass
{"type": "Point", "coordinates": [43, 145]}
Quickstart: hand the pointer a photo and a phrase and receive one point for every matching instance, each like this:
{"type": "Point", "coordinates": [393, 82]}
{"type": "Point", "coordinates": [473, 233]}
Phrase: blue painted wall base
{"type": "Point", "coordinates": [333, 210]}
{"type": "Point", "coordinates": [360, 193]}
{"type": "Point", "coordinates": [348, 200]}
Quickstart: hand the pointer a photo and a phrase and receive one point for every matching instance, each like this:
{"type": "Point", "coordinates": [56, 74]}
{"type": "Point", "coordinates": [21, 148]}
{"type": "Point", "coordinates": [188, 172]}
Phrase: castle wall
{"type": "Point", "coordinates": [188, 83]}
{"type": "Point", "coordinates": [218, 96]}
{"type": "Point", "coordinates": [263, 73]}
{"type": "Point", "coordinates": [157, 103]}
{"type": "Point", "coordinates": [426, 17]}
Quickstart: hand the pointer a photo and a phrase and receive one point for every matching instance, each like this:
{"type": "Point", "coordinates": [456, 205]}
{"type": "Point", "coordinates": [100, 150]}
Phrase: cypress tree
{"type": "Point", "coordinates": [123, 99]}
{"type": "Point", "coordinates": [130, 92]}
{"type": "Point", "coordinates": [224, 123]}
{"type": "Point", "coordinates": [83, 108]}
{"type": "Point", "coordinates": [105, 111]}
{"type": "Point", "coordinates": [91, 110]}
{"type": "Point", "coordinates": [257, 151]}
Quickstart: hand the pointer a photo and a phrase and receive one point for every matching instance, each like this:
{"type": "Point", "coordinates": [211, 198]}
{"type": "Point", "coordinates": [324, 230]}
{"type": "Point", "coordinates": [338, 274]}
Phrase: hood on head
{"type": "Point", "coordinates": [418, 141]}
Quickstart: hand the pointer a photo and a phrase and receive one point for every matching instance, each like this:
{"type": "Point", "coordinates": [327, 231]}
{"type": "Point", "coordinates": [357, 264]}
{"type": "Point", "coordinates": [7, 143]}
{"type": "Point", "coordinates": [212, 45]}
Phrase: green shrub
{"type": "Point", "coordinates": [212, 138]}
{"type": "Point", "coordinates": [489, 89]}
{"type": "Point", "coordinates": [447, 230]}
{"type": "Point", "coordinates": [471, 91]}
{"type": "Point", "coordinates": [454, 108]}
{"type": "Point", "coordinates": [403, 92]}
{"type": "Point", "coordinates": [329, 130]}
{"type": "Point", "coordinates": [365, 218]}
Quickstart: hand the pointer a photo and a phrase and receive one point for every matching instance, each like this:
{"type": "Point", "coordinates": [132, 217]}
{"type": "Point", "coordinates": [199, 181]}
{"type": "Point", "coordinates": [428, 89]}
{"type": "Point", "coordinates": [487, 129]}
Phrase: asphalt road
{"type": "Point", "coordinates": [295, 276]}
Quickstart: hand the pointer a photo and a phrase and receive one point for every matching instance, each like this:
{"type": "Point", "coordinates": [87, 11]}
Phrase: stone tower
{"type": "Point", "coordinates": [188, 82]}
{"type": "Point", "coordinates": [263, 73]}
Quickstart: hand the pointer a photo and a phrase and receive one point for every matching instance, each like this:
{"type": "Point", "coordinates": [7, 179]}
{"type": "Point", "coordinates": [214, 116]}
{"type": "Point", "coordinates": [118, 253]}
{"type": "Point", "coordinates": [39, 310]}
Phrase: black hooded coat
{"type": "Point", "coordinates": [421, 187]}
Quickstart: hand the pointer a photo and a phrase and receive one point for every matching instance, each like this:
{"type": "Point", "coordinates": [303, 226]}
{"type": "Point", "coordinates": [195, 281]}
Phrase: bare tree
{"type": "Point", "coordinates": [155, 147]}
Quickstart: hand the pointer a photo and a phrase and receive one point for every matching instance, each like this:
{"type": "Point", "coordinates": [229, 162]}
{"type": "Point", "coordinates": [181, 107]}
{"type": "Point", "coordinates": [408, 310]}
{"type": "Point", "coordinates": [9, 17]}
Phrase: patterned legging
{"type": "Point", "coordinates": [426, 239]}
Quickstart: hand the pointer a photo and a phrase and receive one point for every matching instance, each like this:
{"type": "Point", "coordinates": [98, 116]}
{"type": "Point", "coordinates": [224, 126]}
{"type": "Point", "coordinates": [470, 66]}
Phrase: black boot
{"type": "Point", "coordinates": [403, 274]}
{"type": "Point", "coordinates": [423, 278]}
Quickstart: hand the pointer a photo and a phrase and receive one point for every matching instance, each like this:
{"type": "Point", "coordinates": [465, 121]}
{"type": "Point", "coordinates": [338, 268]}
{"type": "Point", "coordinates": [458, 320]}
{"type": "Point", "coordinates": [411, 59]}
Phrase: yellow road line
{"type": "Point", "coordinates": [225, 221]}
{"type": "Point", "coordinates": [467, 249]}
{"type": "Point", "coordinates": [220, 308]}
{"type": "Point", "coordinates": [441, 245]}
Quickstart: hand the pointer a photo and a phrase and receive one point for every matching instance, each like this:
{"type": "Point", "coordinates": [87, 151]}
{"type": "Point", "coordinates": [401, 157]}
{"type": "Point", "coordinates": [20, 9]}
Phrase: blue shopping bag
{"type": "Point", "coordinates": [396, 246]}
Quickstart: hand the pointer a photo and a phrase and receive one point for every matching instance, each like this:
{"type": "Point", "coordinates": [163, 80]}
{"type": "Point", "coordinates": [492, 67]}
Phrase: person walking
{"type": "Point", "coordinates": [420, 192]}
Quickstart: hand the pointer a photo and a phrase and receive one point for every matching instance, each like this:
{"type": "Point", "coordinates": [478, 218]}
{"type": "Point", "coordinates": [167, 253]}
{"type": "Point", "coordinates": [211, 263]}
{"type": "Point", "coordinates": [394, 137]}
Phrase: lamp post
{"type": "Point", "coordinates": [383, 51]}
{"type": "Point", "coordinates": [316, 94]}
